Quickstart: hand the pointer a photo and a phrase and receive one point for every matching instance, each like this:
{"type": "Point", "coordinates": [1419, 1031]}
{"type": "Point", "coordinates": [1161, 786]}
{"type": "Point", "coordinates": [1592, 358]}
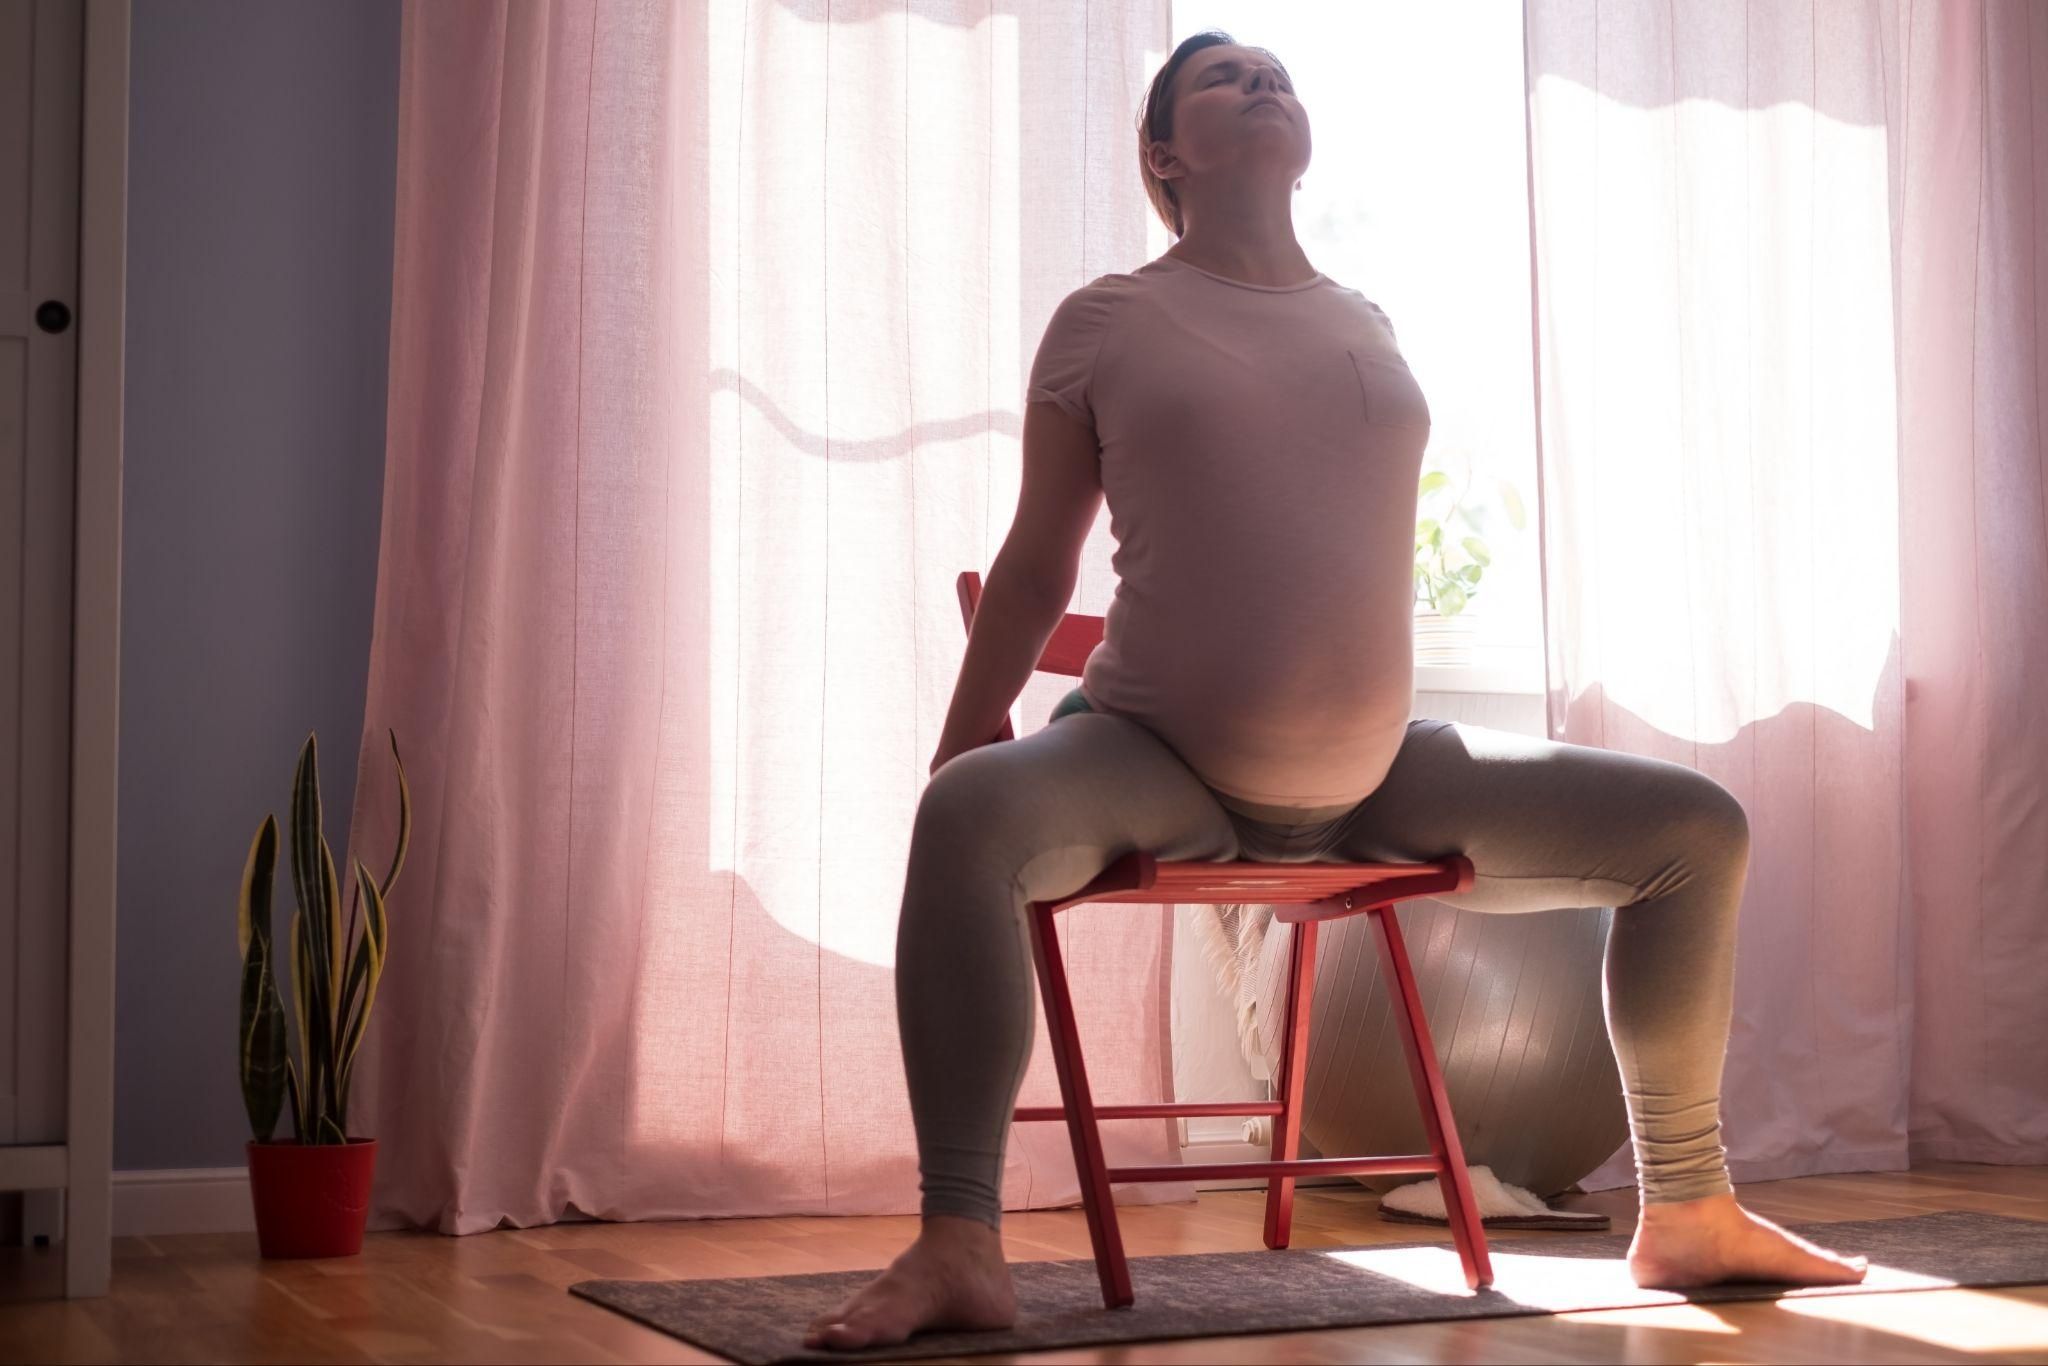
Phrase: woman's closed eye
{"type": "Point", "coordinates": [1283, 86]}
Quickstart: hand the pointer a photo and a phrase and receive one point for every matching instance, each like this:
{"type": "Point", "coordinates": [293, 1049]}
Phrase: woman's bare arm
{"type": "Point", "coordinates": [1032, 580]}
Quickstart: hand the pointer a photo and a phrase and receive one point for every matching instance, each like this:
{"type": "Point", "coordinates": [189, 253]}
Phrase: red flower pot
{"type": "Point", "coordinates": [312, 1199]}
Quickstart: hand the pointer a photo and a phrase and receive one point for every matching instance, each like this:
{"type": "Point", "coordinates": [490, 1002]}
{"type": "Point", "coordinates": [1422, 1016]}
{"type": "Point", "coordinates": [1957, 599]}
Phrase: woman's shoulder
{"type": "Point", "coordinates": [1352, 296]}
{"type": "Point", "coordinates": [1104, 291]}
{"type": "Point", "coordinates": [1358, 301]}
{"type": "Point", "coordinates": [1087, 310]}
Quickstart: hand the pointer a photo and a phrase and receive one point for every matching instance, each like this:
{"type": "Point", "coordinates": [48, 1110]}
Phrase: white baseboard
{"type": "Point", "coordinates": [183, 1200]}
{"type": "Point", "coordinates": [216, 1199]}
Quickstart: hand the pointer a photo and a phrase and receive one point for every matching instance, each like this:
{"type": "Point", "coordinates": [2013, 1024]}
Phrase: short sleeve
{"type": "Point", "coordinates": [1385, 321]}
{"type": "Point", "coordinates": [1063, 371]}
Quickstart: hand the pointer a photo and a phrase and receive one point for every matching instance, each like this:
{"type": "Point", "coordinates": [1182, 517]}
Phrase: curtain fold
{"type": "Point", "coordinates": [1788, 269]}
{"type": "Point", "coordinates": [709, 337]}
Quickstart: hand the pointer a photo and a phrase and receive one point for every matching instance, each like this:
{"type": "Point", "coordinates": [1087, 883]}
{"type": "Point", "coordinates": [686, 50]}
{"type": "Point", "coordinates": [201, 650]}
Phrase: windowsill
{"type": "Point", "coordinates": [1492, 669]}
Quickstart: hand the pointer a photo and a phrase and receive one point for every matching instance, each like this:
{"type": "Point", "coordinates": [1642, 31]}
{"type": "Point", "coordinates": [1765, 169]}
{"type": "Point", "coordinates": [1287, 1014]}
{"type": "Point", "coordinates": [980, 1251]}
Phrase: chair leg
{"type": "Point", "coordinates": [1463, 1211]}
{"type": "Point", "coordinates": [1082, 1126]}
{"type": "Point", "coordinates": [1301, 989]}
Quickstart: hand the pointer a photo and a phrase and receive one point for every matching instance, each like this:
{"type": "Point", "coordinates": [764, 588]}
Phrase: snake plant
{"type": "Point", "coordinates": [332, 1005]}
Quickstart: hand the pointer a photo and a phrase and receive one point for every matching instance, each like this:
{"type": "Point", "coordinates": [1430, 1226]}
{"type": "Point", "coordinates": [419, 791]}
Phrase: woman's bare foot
{"type": "Point", "coordinates": [953, 1276]}
{"type": "Point", "coordinates": [1699, 1242]}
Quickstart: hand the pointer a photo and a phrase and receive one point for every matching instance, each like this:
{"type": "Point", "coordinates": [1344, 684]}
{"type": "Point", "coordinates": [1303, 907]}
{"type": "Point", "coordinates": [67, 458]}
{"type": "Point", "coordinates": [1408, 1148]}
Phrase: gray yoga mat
{"type": "Point", "coordinates": [1059, 1304]}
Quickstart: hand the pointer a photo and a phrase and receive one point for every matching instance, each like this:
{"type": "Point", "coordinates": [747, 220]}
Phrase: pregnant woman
{"type": "Point", "coordinates": [1259, 439]}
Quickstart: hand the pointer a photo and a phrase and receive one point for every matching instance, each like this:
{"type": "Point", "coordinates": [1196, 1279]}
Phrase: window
{"type": "Point", "coordinates": [1416, 195]}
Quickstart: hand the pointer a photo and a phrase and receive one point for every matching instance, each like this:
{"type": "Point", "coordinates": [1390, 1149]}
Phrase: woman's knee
{"type": "Point", "coordinates": [969, 787]}
{"type": "Point", "coordinates": [1707, 817]}
{"type": "Point", "coordinates": [974, 817]}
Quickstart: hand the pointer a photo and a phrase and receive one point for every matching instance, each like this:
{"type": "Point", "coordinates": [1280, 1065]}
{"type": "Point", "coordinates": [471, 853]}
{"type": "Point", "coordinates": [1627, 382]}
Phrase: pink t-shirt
{"type": "Point", "coordinates": [1260, 448]}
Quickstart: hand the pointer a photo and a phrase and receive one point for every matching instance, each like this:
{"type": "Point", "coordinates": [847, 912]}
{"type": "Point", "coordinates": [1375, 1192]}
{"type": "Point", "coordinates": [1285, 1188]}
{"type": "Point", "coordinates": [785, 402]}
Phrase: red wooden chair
{"type": "Point", "coordinates": [1306, 894]}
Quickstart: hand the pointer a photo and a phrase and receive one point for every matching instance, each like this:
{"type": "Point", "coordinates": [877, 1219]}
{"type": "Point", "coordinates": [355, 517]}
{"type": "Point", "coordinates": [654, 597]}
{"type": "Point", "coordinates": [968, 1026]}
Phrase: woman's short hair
{"type": "Point", "coordinates": [1155, 120]}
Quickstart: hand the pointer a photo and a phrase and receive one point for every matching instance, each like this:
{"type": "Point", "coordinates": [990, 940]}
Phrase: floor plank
{"type": "Point", "coordinates": [503, 1296]}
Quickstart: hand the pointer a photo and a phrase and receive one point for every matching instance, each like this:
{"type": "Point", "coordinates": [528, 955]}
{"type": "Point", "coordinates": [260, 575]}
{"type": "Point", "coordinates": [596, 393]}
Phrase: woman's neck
{"type": "Point", "coordinates": [1280, 262]}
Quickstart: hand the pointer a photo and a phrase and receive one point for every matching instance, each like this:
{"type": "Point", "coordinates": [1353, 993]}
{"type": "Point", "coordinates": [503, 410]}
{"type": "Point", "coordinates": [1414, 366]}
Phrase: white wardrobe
{"type": "Point", "coordinates": [63, 141]}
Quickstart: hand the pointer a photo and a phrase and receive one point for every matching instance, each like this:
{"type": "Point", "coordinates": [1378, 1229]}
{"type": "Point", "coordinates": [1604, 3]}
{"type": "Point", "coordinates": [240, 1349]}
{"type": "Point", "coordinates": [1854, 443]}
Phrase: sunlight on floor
{"type": "Point", "coordinates": [1578, 1283]}
{"type": "Point", "coordinates": [1544, 1282]}
{"type": "Point", "coordinates": [1670, 1318]}
{"type": "Point", "coordinates": [1961, 1320]}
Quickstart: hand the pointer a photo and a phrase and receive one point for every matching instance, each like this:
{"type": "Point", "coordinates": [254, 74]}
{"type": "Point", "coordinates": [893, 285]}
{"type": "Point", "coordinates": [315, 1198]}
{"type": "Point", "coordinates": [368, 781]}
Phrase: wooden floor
{"type": "Point", "coordinates": [501, 1296]}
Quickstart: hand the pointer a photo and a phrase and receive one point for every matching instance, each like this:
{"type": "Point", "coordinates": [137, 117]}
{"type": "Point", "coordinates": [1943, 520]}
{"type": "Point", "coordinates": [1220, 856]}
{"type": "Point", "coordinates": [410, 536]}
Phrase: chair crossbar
{"type": "Point", "coordinates": [1187, 1109]}
{"type": "Point", "coordinates": [1294, 1167]}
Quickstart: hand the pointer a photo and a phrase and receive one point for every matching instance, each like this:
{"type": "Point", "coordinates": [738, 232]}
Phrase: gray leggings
{"type": "Point", "coordinates": [1546, 825]}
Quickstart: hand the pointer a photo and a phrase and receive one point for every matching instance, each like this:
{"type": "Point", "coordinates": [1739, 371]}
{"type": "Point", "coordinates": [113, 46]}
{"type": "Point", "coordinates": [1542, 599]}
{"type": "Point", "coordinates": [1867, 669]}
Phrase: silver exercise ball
{"type": "Point", "coordinates": [1514, 1010]}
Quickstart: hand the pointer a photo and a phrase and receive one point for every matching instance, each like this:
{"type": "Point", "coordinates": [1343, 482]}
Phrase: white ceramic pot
{"type": "Point", "coordinates": [1443, 640]}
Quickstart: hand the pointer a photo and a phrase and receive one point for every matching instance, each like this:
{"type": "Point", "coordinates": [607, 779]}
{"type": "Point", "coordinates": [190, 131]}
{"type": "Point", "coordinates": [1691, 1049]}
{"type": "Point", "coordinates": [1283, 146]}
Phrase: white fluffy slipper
{"type": "Point", "coordinates": [1500, 1205]}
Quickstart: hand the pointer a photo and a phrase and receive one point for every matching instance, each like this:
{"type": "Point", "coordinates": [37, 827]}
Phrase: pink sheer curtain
{"type": "Point", "coordinates": [1789, 270]}
{"type": "Point", "coordinates": [708, 350]}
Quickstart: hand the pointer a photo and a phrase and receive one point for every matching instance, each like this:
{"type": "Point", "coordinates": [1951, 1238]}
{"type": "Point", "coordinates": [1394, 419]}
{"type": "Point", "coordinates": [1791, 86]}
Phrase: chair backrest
{"type": "Point", "coordinates": [1073, 640]}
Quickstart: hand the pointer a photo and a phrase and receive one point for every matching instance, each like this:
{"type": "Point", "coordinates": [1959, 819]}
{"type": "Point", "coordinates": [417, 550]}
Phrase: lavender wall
{"type": "Point", "coordinates": [260, 180]}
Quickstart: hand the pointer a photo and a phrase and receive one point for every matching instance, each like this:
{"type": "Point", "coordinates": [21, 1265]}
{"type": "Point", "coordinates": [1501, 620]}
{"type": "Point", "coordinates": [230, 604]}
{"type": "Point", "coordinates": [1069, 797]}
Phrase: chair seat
{"type": "Point", "coordinates": [1305, 891]}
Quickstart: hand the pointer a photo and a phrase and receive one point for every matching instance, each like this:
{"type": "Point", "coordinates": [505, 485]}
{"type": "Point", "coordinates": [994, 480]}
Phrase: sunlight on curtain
{"type": "Point", "coordinates": [710, 327]}
{"type": "Point", "coordinates": [1727, 400]}
{"type": "Point", "coordinates": [778, 376]}
{"type": "Point", "coordinates": [1793, 525]}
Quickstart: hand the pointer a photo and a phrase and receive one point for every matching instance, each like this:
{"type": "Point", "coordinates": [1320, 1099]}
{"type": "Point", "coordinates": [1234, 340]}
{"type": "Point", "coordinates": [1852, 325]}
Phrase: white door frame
{"type": "Point", "coordinates": [96, 647]}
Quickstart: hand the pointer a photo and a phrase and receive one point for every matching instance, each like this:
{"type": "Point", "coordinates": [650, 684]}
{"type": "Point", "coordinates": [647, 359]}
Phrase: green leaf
{"type": "Point", "coordinates": [404, 821]}
{"type": "Point", "coordinates": [1513, 500]}
{"type": "Point", "coordinates": [1476, 548]}
{"type": "Point", "coordinates": [291, 1077]}
{"type": "Point", "coordinates": [1470, 573]}
{"type": "Point", "coordinates": [320, 1090]}
{"type": "Point", "coordinates": [263, 1042]}
{"type": "Point", "coordinates": [1425, 529]}
{"type": "Point", "coordinates": [259, 876]}
{"type": "Point", "coordinates": [370, 958]}
{"type": "Point", "coordinates": [337, 942]}
{"type": "Point", "coordinates": [302, 993]}
{"type": "Point", "coordinates": [317, 933]}
{"type": "Point", "coordinates": [1434, 480]}
{"type": "Point", "coordinates": [305, 823]}
{"type": "Point", "coordinates": [1450, 599]}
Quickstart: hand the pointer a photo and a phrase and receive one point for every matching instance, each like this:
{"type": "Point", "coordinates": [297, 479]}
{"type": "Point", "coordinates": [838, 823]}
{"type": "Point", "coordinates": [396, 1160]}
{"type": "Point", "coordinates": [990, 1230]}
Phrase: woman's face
{"type": "Point", "coordinates": [1235, 113]}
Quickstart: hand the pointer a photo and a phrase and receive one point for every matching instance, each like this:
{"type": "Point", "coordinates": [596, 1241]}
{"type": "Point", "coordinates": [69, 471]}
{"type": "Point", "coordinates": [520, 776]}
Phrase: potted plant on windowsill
{"type": "Point", "coordinates": [311, 1191]}
{"type": "Point", "coordinates": [1448, 570]}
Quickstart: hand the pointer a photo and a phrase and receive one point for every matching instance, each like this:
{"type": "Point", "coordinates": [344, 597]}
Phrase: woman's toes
{"type": "Point", "coordinates": [818, 1324]}
{"type": "Point", "coordinates": [886, 1310]}
{"type": "Point", "coordinates": [1780, 1251]}
{"type": "Point", "coordinates": [814, 1334]}
{"type": "Point", "coordinates": [841, 1335]}
{"type": "Point", "coordinates": [1835, 1269]}
{"type": "Point", "coordinates": [852, 1329]}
